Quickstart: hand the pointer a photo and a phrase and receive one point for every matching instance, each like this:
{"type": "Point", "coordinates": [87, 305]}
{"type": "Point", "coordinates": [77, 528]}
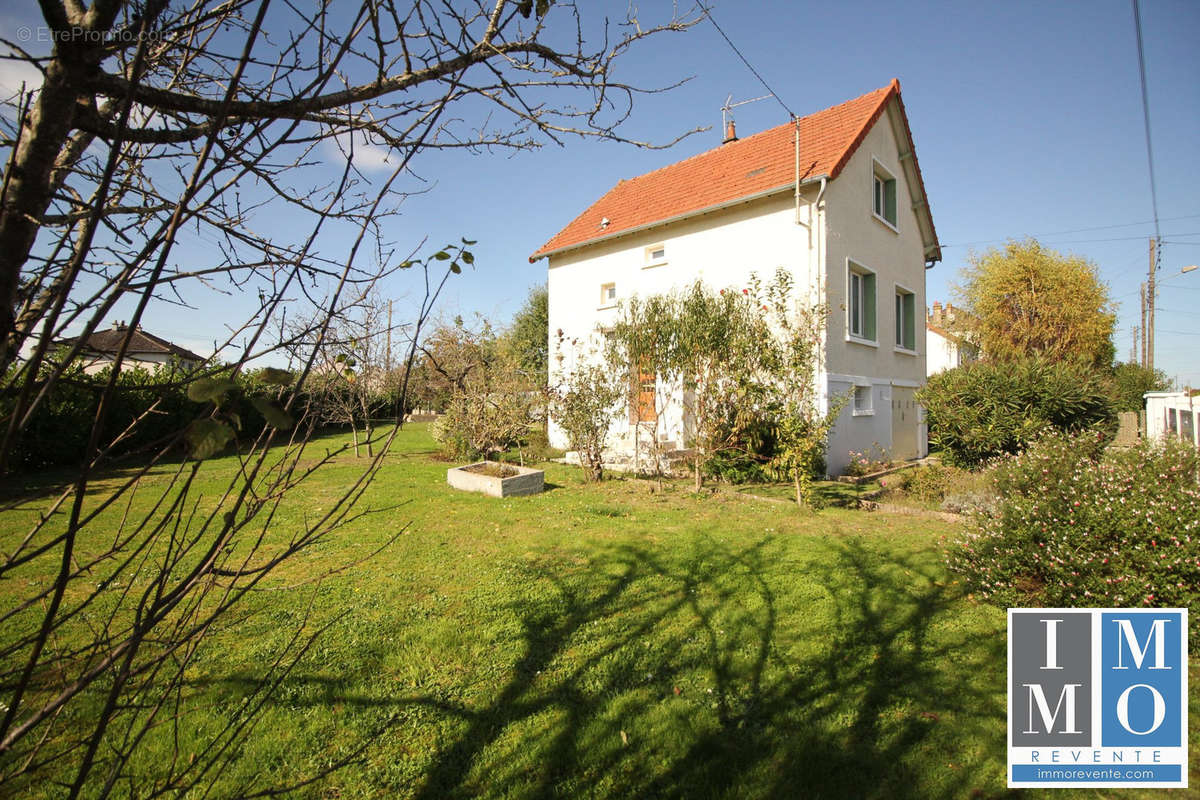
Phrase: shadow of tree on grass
{"type": "Point", "coordinates": [724, 673]}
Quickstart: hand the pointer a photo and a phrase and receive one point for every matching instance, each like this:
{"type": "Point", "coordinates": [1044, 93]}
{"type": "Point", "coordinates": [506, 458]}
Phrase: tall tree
{"type": "Point", "coordinates": [530, 333]}
{"type": "Point", "coordinates": [1029, 300]}
{"type": "Point", "coordinates": [154, 165]}
{"type": "Point", "coordinates": [1132, 381]}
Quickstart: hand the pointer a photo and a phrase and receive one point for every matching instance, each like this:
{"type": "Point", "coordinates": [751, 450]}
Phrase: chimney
{"type": "Point", "coordinates": [936, 316]}
{"type": "Point", "coordinates": [730, 133]}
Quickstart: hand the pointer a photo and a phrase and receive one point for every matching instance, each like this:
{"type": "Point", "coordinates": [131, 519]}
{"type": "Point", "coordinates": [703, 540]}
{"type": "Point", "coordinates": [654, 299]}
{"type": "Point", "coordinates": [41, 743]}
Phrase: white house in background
{"type": "Point", "coordinates": [835, 198]}
{"type": "Point", "coordinates": [945, 339]}
{"type": "Point", "coordinates": [145, 350]}
{"type": "Point", "coordinates": [1173, 415]}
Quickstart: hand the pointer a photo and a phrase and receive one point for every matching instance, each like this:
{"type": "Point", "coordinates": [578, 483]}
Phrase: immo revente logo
{"type": "Point", "coordinates": [1097, 697]}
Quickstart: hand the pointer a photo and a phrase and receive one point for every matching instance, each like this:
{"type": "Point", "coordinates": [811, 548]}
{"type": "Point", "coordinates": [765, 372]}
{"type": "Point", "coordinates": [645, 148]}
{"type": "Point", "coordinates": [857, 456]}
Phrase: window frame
{"type": "Point", "coordinates": [902, 346]}
{"type": "Point", "coordinates": [648, 261]}
{"type": "Point", "coordinates": [605, 300]}
{"type": "Point", "coordinates": [881, 179]}
{"type": "Point", "coordinates": [863, 411]}
{"type": "Point", "coordinates": [864, 301]}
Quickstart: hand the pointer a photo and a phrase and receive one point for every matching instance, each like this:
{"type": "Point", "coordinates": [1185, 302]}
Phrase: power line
{"type": "Point", "coordinates": [1082, 230]}
{"type": "Point", "coordinates": [1137, 23]}
{"type": "Point", "coordinates": [749, 66]}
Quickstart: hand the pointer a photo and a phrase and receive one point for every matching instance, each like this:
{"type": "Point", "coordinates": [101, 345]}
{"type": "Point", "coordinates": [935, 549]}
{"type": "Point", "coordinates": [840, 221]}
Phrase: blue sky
{"type": "Point", "coordinates": [1027, 120]}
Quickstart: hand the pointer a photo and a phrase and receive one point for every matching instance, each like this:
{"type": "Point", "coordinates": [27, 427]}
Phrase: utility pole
{"type": "Point", "coordinates": [1133, 351]}
{"type": "Point", "coordinates": [1142, 360]}
{"type": "Point", "coordinates": [1150, 298]}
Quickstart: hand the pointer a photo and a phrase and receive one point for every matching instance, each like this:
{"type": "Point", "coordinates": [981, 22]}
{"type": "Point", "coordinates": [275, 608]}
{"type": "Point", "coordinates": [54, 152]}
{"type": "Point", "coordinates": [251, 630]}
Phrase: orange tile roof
{"type": "Point", "coordinates": [760, 163]}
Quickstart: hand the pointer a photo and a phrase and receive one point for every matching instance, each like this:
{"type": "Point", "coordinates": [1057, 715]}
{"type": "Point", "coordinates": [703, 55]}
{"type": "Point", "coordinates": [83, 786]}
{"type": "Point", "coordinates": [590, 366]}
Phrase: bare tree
{"type": "Point", "coordinates": [350, 375]}
{"type": "Point", "coordinates": [161, 131]}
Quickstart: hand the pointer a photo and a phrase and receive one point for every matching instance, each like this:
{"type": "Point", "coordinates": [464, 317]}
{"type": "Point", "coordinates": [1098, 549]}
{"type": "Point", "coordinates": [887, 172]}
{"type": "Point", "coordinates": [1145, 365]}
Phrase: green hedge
{"type": "Point", "coordinates": [990, 409]}
{"type": "Point", "coordinates": [58, 433]}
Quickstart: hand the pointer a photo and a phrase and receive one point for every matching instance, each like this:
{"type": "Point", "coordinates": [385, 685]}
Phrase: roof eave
{"type": "Point", "coordinates": [750, 198]}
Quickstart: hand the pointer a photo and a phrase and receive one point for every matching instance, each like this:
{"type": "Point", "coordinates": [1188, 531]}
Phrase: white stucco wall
{"type": "Point", "coordinates": [896, 257]}
{"type": "Point", "coordinates": [150, 361]}
{"type": "Point", "coordinates": [721, 248]}
{"type": "Point", "coordinates": [1173, 415]}
{"type": "Point", "coordinates": [942, 353]}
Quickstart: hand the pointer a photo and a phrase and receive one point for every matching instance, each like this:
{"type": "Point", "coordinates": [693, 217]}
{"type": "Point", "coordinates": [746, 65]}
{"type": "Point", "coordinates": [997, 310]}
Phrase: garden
{"type": "Point", "coordinates": [611, 639]}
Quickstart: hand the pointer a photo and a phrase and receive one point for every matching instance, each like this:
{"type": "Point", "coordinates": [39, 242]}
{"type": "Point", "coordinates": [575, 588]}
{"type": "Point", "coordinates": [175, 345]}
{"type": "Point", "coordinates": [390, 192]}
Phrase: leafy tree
{"type": "Point", "coordinates": [164, 129]}
{"type": "Point", "coordinates": [1029, 300]}
{"type": "Point", "coordinates": [529, 334]}
{"type": "Point", "coordinates": [491, 401]}
{"type": "Point", "coordinates": [586, 403]}
{"type": "Point", "coordinates": [740, 356]}
{"type": "Point", "coordinates": [1131, 381]}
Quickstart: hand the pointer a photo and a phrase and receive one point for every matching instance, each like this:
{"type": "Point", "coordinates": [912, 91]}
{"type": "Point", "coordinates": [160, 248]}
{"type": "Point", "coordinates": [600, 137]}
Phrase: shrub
{"type": "Point", "coordinates": [865, 463]}
{"type": "Point", "coordinates": [1132, 381]}
{"type": "Point", "coordinates": [585, 406]}
{"type": "Point", "coordinates": [990, 409]}
{"type": "Point", "coordinates": [931, 484]}
{"type": "Point", "coordinates": [1076, 526]}
{"type": "Point", "coordinates": [148, 408]}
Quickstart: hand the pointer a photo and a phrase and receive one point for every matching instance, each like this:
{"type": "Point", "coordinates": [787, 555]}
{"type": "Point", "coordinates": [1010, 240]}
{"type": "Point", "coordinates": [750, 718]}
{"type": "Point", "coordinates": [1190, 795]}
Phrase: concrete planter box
{"type": "Point", "coordinates": [526, 480]}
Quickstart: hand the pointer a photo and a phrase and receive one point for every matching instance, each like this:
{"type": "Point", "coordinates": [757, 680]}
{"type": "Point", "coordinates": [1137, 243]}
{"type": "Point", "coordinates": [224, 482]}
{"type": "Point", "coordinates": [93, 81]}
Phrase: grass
{"type": "Point", "coordinates": [611, 640]}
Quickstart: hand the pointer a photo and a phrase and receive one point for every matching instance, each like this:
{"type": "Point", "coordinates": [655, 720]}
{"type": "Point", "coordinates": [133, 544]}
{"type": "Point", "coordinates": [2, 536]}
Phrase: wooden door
{"type": "Point", "coordinates": [905, 420]}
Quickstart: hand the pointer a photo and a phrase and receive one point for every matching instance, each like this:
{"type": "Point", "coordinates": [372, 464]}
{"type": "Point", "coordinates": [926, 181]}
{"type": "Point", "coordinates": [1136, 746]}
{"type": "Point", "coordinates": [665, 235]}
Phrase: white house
{"type": "Point", "coordinates": [946, 344]}
{"type": "Point", "coordinates": [145, 350]}
{"type": "Point", "coordinates": [836, 198]}
{"type": "Point", "coordinates": [1174, 415]}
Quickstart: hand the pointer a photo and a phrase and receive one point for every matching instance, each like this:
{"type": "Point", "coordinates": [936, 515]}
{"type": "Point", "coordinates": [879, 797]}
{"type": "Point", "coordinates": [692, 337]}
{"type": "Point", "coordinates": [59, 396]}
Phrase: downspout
{"type": "Point", "coordinates": [815, 233]}
{"type": "Point", "coordinates": [796, 139]}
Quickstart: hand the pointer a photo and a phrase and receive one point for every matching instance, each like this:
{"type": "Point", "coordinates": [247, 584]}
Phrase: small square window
{"type": "Point", "coordinates": [862, 401]}
{"type": "Point", "coordinates": [883, 194]}
{"type": "Point", "coordinates": [656, 255]}
{"type": "Point", "coordinates": [608, 295]}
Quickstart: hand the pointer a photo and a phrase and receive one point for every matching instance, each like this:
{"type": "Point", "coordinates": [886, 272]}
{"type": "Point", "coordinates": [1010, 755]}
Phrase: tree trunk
{"type": "Point", "coordinates": [354, 431]}
{"type": "Point", "coordinates": [799, 491]}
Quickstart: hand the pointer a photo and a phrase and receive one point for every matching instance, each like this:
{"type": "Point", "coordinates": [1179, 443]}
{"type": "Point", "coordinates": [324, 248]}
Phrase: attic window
{"type": "Point", "coordinates": [656, 255]}
{"type": "Point", "coordinates": [883, 194]}
{"type": "Point", "coordinates": [754, 172]}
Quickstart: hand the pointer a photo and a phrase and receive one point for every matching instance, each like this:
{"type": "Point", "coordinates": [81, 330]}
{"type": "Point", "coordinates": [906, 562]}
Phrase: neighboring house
{"type": "Point", "coordinates": [843, 209]}
{"type": "Point", "coordinates": [946, 339]}
{"type": "Point", "coordinates": [145, 350]}
{"type": "Point", "coordinates": [1174, 415]}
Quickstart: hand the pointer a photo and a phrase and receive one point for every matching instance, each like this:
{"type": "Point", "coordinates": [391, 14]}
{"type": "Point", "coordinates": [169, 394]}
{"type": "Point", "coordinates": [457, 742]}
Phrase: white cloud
{"type": "Point", "coordinates": [366, 155]}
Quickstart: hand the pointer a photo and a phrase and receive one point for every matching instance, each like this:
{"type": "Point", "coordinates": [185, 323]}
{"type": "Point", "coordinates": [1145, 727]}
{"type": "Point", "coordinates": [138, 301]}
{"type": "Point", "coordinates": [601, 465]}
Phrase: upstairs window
{"type": "Point", "coordinates": [656, 255]}
{"type": "Point", "coordinates": [608, 295]}
{"type": "Point", "coordinates": [906, 323]}
{"type": "Point", "coordinates": [860, 303]}
{"type": "Point", "coordinates": [883, 194]}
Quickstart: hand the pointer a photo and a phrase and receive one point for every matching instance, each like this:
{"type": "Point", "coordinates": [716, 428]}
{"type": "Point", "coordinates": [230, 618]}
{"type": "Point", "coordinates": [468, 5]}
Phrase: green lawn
{"type": "Point", "coordinates": [611, 641]}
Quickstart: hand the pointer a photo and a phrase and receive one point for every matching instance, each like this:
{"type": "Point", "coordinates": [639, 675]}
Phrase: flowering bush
{"type": "Point", "coordinates": [1079, 527]}
{"type": "Point", "coordinates": [864, 463]}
